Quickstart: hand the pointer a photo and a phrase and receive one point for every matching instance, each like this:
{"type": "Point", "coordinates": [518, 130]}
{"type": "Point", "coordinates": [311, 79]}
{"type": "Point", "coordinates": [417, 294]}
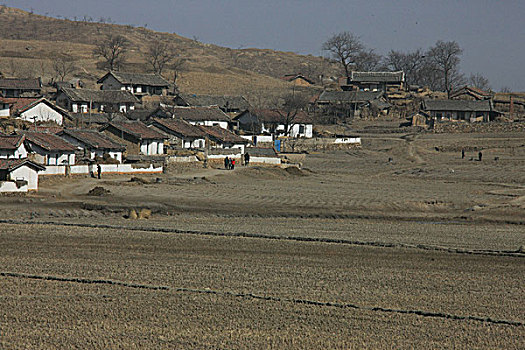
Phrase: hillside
{"type": "Point", "coordinates": [33, 42]}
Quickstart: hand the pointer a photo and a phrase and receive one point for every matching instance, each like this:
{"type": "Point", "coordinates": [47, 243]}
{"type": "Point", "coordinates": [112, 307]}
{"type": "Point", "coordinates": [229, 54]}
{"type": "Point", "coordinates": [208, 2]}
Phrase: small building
{"type": "Point", "coordinates": [33, 110]}
{"type": "Point", "coordinates": [227, 104]}
{"type": "Point", "coordinates": [88, 101]}
{"type": "Point", "coordinates": [248, 123]}
{"type": "Point", "coordinates": [460, 110]}
{"type": "Point", "coordinates": [12, 147]}
{"type": "Point", "coordinates": [208, 116]}
{"type": "Point", "coordinates": [182, 133]}
{"type": "Point", "coordinates": [222, 138]}
{"type": "Point", "coordinates": [15, 87]}
{"type": "Point", "coordinates": [145, 140]}
{"type": "Point", "coordinates": [19, 175]}
{"type": "Point", "coordinates": [49, 149]}
{"type": "Point", "coordinates": [374, 81]}
{"type": "Point", "coordinates": [298, 80]}
{"type": "Point", "coordinates": [93, 143]}
{"type": "Point", "coordinates": [264, 155]}
{"type": "Point", "coordinates": [279, 122]}
{"type": "Point", "coordinates": [349, 103]}
{"type": "Point", "coordinates": [470, 93]}
{"type": "Point", "coordinates": [137, 83]}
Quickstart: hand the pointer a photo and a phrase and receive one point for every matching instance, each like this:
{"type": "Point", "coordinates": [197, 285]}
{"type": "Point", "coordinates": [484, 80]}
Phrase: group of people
{"type": "Point", "coordinates": [480, 155]}
{"type": "Point", "coordinates": [229, 163]}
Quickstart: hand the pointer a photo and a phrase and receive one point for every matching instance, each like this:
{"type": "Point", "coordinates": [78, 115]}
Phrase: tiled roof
{"type": "Point", "coordinates": [100, 96]}
{"type": "Point", "coordinates": [349, 96]}
{"type": "Point", "coordinates": [279, 116]}
{"type": "Point", "coordinates": [11, 142]}
{"type": "Point", "coordinates": [222, 135]}
{"type": "Point", "coordinates": [137, 79]}
{"type": "Point", "coordinates": [137, 129]}
{"type": "Point", "coordinates": [379, 77]}
{"type": "Point", "coordinates": [21, 104]}
{"type": "Point", "coordinates": [89, 118]}
{"type": "Point", "coordinates": [471, 89]}
{"type": "Point", "coordinates": [12, 164]}
{"type": "Point", "coordinates": [49, 142]}
{"type": "Point", "coordinates": [292, 77]}
{"type": "Point", "coordinates": [230, 102]}
{"type": "Point", "coordinates": [200, 114]}
{"type": "Point", "coordinates": [93, 139]}
{"type": "Point", "coordinates": [178, 126]}
{"type": "Point", "coordinates": [22, 84]}
{"type": "Point", "coordinates": [457, 105]}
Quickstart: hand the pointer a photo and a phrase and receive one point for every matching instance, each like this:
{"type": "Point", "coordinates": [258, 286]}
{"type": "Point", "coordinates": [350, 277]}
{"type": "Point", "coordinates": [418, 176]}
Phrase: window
{"type": "Point", "coordinates": [301, 129]}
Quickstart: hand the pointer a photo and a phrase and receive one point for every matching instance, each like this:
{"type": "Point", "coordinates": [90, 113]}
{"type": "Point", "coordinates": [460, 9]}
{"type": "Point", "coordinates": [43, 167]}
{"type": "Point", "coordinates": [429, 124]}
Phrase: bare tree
{"type": "Point", "coordinates": [479, 81]}
{"type": "Point", "coordinates": [113, 50]}
{"type": "Point", "coordinates": [411, 63]}
{"type": "Point", "coordinates": [368, 61]}
{"type": "Point", "coordinates": [292, 106]}
{"type": "Point", "coordinates": [62, 68]}
{"type": "Point", "coordinates": [445, 56]}
{"type": "Point", "coordinates": [158, 55]}
{"type": "Point", "coordinates": [344, 47]}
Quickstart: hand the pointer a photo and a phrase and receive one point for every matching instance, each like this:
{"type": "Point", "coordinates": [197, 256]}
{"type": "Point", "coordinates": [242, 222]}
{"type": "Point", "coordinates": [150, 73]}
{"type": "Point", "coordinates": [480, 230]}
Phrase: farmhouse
{"type": "Point", "coordinates": [374, 81]}
{"type": "Point", "coordinates": [49, 149]}
{"type": "Point", "coordinates": [298, 79]}
{"type": "Point", "coordinates": [227, 104]}
{"type": "Point", "coordinates": [143, 139]}
{"type": "Point", "coordinates": [12, 147]}
{"type": "Point", "coordinates": [222, 138]}
{"type": "Point", "coordinates": [348, 103]}
{"type": "Point", "coordinates": [273, 121]}
{"type": "Point", "coordinates": [86, 101]}
{"type": "Point", "coordinates": [94, 143]}
{"type": "Point", "coordinates": [470, 93]}
{"type": "Point", "coordinates": [209, 116]}
{"type": "Point", "coordinates": [460, 110]}
{"type": "Point", "coordinates": [15, 87]}
{"type": "Point", "coordinates": [32, 110]}
{"type": "Point", "coordinates": [137, 83]}
{"type": "Point", "coordinates": [19, 175]}
{"type": "Point", "coordinates": [182, 133]}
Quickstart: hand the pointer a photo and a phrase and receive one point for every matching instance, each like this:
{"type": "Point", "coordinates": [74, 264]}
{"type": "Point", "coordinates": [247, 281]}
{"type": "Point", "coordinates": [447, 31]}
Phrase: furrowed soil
{"type": "Point", "coordinates": [350, 251]}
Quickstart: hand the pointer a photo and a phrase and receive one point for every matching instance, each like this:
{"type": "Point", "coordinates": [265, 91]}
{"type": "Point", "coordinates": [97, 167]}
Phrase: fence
{"type": "Point", "coordinates": [105, 169]}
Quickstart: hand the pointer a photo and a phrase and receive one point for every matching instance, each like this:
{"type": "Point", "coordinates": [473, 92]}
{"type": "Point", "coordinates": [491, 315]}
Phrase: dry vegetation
{"type": "Point", "coordinates": [352, 251]}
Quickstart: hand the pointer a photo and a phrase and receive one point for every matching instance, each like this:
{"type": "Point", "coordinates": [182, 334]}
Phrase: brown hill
{"type": "Point", "coordinates": [32, 43]}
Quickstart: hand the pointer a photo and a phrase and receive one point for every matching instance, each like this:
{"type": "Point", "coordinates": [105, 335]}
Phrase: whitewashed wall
{"type": "Point", "coordinates": [10, 186]}
{"type": "Point", "coordinates": [20, 152]}
{"type": "Point", "coordinates": [105, 168]}
{"type": "Point", "coordinates": [42, 113]}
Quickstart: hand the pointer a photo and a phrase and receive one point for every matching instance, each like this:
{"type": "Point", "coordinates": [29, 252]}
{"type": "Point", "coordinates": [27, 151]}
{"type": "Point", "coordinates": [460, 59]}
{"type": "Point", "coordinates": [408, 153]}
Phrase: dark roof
{"type": "Point", "coordinates": [100, 96]}
{"type": "Point", "coordinates": [22, 84]}
{"type": "Point", "coordinates": [229, 102]}
{"type": "Point", "coordinates": [11, 142]}
{"type": "Point", "coordinates": [137, 129]}
{"type": "Point", "coordinates": [136, 79]}
{"type": "Point", "coordinates": [49, 142]}
{"type": "Point", "coordinates": [12, 164]}
{"type": "Point", "coordinates": [178, 126]}
{"type": "Point", "coordinates": [21, 104]}
{"type": "Point", "coordinates": [457, 105]}
{"type": "Point", "coordinates": [279, 116]}
{"type": "Point", "coordinates": [261, 152]}
{"type": "Point", "coordinates": [200, 114]}
{"type": "Point", "coordinates": [292, 77]}
{"type": "Point", "coordinates": [478, 93]}
{"type": "Point", "coordinates": [378, 77]}
{"type": "Point", "coordinates": [349, 96]}
{"type": "Point", "coordinates": [90, 118]}
{"type": "Point", "coordinates": [93, 139]}
{"type": "Point", "coordinates": [222, 135]}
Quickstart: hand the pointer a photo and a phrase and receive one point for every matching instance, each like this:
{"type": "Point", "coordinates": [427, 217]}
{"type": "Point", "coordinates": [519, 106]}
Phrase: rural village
{"type": "Point", "coordinates": [158, 191]}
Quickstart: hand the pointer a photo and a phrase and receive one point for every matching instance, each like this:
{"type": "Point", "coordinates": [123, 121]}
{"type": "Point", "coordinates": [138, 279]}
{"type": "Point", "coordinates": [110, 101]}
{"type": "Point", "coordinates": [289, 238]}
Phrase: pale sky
{"type": "Point", "coordinates": [491, 33]}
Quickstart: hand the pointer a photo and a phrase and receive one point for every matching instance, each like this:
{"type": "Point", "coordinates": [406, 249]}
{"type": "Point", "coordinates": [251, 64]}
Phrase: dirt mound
{"type": "Point", "coordinates": [296, 171]}
{"type": "Point", "coordinates": [98, 191]}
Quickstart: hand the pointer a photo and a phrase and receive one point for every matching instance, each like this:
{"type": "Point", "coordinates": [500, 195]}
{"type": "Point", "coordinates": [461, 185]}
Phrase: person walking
{"type": "Point", "coordinates": [233, 164]}
{"type": "Point", "coordinates": [99, 171]}
{"type": "Point", "coordinates": [462, 154]}
{"type": "Point", "coordinates": [480, 155]}
{"type": "Point", "coordinates": [226, 163]}
{"type": "Point", "coordinates": [246, 159]}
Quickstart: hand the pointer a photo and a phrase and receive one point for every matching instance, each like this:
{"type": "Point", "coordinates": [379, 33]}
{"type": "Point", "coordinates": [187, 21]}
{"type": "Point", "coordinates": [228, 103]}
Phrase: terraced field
{"type": "Point", "coordinates": [351, 251]}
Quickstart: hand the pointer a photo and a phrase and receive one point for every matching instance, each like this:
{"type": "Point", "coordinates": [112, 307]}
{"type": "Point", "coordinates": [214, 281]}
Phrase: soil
{"type": "Point", "coordinates": [349, 251]}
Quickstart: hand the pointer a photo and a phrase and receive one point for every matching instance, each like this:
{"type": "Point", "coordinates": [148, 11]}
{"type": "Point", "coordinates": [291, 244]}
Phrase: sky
{"type": "Point", "coordinates": [491, 33]}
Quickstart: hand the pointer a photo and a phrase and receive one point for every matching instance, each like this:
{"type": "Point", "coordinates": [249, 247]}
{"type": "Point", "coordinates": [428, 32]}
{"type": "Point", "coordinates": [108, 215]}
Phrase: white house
{"type": "Point", "coordinates": [271, 121]}
{"type": "Point", "coordinates": [32, 110]}
{"type": "Point", "coordinates": [182, 133]}
{"type": "Point", "coordinates": [19, 175]}
{"type": "Point", "coordinates": [146, 140]}
{"type": "Point", "coordinates": [222, 138]}
{"type": "Point", "coordinates": [93, 143]}
{"type": "Point", "coordinates": [88, 101]}
{"type": "Point", "coordinates": [207, 116]}
{"type": "Point", "coordinates": [12, 147]}
{"type": "Point", "coordinates": [49, 149]}
{"type": "Point", "coordinates": [136, 83]}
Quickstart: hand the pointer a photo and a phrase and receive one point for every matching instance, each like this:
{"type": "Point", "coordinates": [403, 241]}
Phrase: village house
{"type": "Point", "coordinates": [34, 110]}
{"type": "Point", "coordinates": [12, 147]}
{"type": "Point", "coordinates": [15, 87]}
{"type": "Point", "coordinates": [222, 138]}
{"type": "Point", "coordinates": [460, 110]}
{"type": "Point", "coordinates": [94, 143]}
{"type": "Point", "coordinates": [277, 122]}
{"type": "Point", "coordinates": [19, 175]}
{"type": "Point", "coordinates": [298, 80]}
{"type": "Point", "coordinates": [350, 103]}
{"type": "Point", "coordinates": [208, 116]}
{"type": "Point", "coordinates": [182, 133]}
{"type": "Point", "coordinates": [142, 139]}
{"type": "Point", "coordinates": [227, 104]}
{"type": "Point", "coordinates": [88, 101]}
{"type": "Point", "coordinates": [137, 83]}
{"type": "Point", "coordinates": [470, 93]}
{"type": "Point", "coordinates": [49, 149]}
{"type": "Point", "coordinates": [374, 81]}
